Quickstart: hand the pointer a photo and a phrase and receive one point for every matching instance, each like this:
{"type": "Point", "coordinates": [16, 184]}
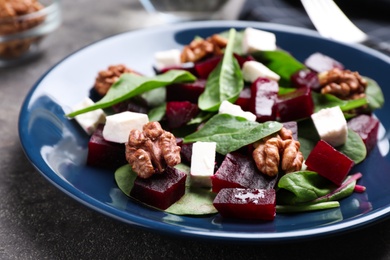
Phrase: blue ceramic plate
{"type": "Point", "coordinates": [57, 147]}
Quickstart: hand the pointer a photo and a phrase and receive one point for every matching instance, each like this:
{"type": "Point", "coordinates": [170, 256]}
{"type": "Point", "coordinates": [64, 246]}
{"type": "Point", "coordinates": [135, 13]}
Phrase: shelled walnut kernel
{"type": "Point", "coordinates": [12, 21]}
{"type": "Point", "coordinates": [278, 152]}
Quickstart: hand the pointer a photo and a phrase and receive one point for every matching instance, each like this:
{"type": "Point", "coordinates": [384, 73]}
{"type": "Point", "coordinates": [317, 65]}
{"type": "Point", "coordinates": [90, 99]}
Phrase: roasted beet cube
{"type": "Point", "coordinates": [186, 152]}
{"type": "Point", "coordinates": [244, 99]}
{"type": "Point", "coordinates": [240, 171]}
{"type": "Point", "coordinates": [264, 93]}
{"type": "Point", "coordinates": [329, 163]}
{"type": "Point", "coordinates": [137, 104]}
{"type": "Point", "coordinates": [248, 204]}
{"type": "Point", "coordinates": [178, 113]}
{"type": "Point", "coordinates": [320, 62]}
{"type": "Point", "coordinates": [295, 105]}
{"type": "Point", "coordinates": [160, 190]}
{"type": "Point", "coordinates": [306, 78]}
{"type": "Point", "coordinates": [186, 91]}
{"type": "Point", "coordinates": [105, 154]}
{"type": "Point", "coordinates": [205, 67]}
{"type": "Point", "coordinates": [367, 127]}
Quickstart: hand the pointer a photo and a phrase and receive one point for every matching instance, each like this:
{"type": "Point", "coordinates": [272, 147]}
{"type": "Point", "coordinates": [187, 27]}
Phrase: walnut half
{"type": "Point", "coordinates": [152, 150]}
{"type": "Point", "coordinates": [278, 152]}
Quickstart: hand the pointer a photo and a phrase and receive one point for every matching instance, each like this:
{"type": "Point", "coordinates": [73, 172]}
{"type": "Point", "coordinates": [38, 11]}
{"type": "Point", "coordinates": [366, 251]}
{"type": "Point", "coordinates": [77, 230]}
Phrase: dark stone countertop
{"type": "Point", "coordinates": [37, 221]}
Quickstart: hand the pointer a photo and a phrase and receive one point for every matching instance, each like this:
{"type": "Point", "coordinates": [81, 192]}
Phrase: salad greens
{"type": "Point", "coordinates": [130, 85]}
{"type": "Point", "coordinates": [225, 82]}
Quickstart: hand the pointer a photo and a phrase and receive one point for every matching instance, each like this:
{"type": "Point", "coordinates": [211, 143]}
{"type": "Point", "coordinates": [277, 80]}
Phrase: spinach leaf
{"type": "Point", "coordinates": [130, 85]}
{"type": "Point", "coordinates": [231, 133]}
{"type": "Point", "coordinates": [307, 207]}
{"type": "Point", "coordinates": [157, 113]}
{"type": "Point", "coordinates": [225, 82]}
{"type": "Point", "coordinates": [322, 101]}
{"type": "Point", "coordinates": [309, 187]}
{"type": "Point", "coordinates": [280, 62]}
{"type": "Point", "coordinates": [374, 94]}
{"type": "Point", "coordinates": [237, 46]}
{"type": "Point", "coordinates": [195, 201]}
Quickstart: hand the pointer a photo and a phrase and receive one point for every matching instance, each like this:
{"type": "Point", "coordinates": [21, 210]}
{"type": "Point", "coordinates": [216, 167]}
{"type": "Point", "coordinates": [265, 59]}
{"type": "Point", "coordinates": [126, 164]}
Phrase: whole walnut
{"type": "Point", "coordinates": [152, 150]}
{"type": "Point", "coordinates": [278, 152]}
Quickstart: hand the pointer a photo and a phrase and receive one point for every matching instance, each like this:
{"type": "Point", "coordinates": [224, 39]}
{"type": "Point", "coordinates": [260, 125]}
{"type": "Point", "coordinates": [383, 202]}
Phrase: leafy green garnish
{"type": "Point", "coordinates": [225, 82]}
{"type": "Point", "coordinates": [306, 208]}
{"type": "Point", "coordinates": [374, 94]}
{"type": "Point", "coordinates": [130, 85]}
{"type": "Point", "coordinates": [195, 201]}
{"type": "Point", "coordinates": [157, 113]}
{"type": "Point", "coordinates": [231, 133]}
{"type": "Point", "coordinates": [322, 101]}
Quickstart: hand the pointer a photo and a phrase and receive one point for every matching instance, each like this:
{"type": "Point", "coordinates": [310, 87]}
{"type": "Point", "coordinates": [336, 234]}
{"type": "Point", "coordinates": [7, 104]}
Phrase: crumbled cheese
{"type": "Point", "coordinates": [331, 125]}
{"type": "Point", "coordinates": [253, 70]}
{"type": "Point", "coordinates": [90, 120]}
{"type": "Point", "coordinates": [202, 163]}
{"type": "Point", "coordinates": [258, 40]}
{"type": "Point", "coordinates": [167, 58]}
{"type": "Point", "coordinates": [235, 110]}
{"type": "Point", "coordinates": [118, 126]}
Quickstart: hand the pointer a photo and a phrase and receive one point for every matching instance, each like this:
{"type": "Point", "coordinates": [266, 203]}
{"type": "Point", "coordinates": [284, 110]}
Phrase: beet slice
{"type": "Point", "coordinates": [306, 78]}
{"type": "Point", "coordinates": [320, 62]}
{"type": "Point", "coordinates": [138, 105]}
{"type": "Point", "coordinates": [186, 91]}
{"type": "Point", "coordinates": [248, 204]}
{"type": "Point", "coordinates": [329, 163]}
{"type": "Point", "coordinates": [367, 127]}
{"type": "Point", "coordinates": [178, 113]}
{"type": "Point", "coordinates": [160, 190]}
{"type": "Point", "coordinates": [264, 94]}
{"type": "Point", "coordinates": [244, 99]}
{"type": "Point", "coordinates": [105, 154]}
{"type": "Point", "coordinates": [295, 105]}
{"type": "Point", "coordinates": [240, 171]}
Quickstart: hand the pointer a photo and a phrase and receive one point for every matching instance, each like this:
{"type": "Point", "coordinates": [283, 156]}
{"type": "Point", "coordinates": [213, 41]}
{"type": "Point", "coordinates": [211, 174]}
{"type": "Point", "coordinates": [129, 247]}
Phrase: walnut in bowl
{"type": "Point", "coordinates": [23, 24]}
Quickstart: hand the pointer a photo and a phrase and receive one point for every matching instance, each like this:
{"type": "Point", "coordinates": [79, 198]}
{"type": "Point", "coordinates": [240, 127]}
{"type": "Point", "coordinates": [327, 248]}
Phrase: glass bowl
{"type": "Point", "coordinates": [21, 35]}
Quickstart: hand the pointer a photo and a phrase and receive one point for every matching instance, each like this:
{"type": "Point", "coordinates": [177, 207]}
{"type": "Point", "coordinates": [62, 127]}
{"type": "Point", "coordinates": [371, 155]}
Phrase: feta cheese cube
{"type": "Point", "coordinates": [258, 40]}
{"type": "Point", "coordinates": [252, 70]}
{"type": "Point", "coordinates": [331, 125]}
{"type": "Point", "coordinates": [202, 163]}
{"type": "Point", "coordinates": [90, 120]}
{"type": "Point", "coordinates": [118, 126]}
{"type": "Point", "coordinates": [235, 110]}
{"type": "Point", "coordinates": [167, 58]}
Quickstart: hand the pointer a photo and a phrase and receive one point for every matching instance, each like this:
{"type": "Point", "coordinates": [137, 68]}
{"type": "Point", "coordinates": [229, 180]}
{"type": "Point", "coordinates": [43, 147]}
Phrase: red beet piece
{"type": "Point", "coordinates": [244, 99]}
{"type": "Point", "coordinates": [264, 94]}
{"type": "Point", "coordinates": [160, 190]}
{"type": "Point", "coordinates": [249, 204]}
{"type": "Point", "coordinates": [185, 151]}
{"type": "Point", "coordinates": [178, 113]}
{"type": "Point", "coordinates": [367, 127]}
{"type": "Point", "coordinates": [306, 78]}
{"type": "Point", "coordinates": [240, 171]}
{"type": "Point", "coordinates": [295, 105]}
{"type": "Point", "coordinates": [105, 154]}
{"type": "Point", "coordinates": [329, 163]}
{"type": "Point", "coordinates": [137, 104]}
{"type": "Point", "coordinates": [186, 91]}
{"type": "Point", "coordinates": [320, 62]}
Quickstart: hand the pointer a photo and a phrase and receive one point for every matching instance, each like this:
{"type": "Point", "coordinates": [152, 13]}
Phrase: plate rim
{"type": "Point", "coordinates": [161, 227]}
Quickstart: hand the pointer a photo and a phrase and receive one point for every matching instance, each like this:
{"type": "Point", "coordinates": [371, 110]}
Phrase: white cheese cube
{"type": "Point", "coordinates": [235, 110]}
{"type": "Point", "coordinates": [202, 163]}
{"type": "Point", "coordinates": [252, 70]}
{"type": "Point", "coordinates": [258, 40]}
{"type": "Point", "coordinates": [118, 126]}
{"type": "Point", "coordinates": [331, 125]}
{"type": "Point", "coordinates": [167, 58]}
{"type": "Point", "coordinates": [90, 120]}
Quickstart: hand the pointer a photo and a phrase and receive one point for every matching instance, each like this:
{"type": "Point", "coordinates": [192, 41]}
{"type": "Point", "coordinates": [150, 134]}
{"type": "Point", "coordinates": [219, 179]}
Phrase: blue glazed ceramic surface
{"type": "Point", "coordinates": [57, 147]}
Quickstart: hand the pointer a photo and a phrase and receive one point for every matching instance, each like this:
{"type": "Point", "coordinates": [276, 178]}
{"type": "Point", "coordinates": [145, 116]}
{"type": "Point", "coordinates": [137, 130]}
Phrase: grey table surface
{"type": "Point", "coordinates": [38, 221]}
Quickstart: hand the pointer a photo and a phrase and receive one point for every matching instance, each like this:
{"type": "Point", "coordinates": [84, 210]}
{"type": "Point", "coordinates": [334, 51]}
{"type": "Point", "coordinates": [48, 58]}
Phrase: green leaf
{"type": "Point", "coordinates": [374, 94]}
{"type": "Point", "coordinates": [231, 133]}
{"type": "Point", "coordinates": [354, 147]}
{"type": "Point", "coordinates": [130, 85]}
{"type": "Point", "coordinates": [195, 201]}
{"type": "Point", "coordinates": [310, 187]}
{"type": "Point", "coordinates": [308, 207]}
{"type": "Point", "coordinates": [280, 62]}
{"type": "Point", "coordinates": [225, 82]}
{"type": "Point", "coordinates": [157, 113]}
{"type": "Point", "coordinates": [237, 46]}
{"type": "Point", "coordinates": [322, 101]}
